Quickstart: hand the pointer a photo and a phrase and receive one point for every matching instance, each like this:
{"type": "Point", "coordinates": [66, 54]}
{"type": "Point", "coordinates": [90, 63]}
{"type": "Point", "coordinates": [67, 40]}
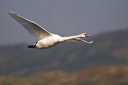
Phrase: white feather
{"type": "Point", "coordinates": [47, 39]}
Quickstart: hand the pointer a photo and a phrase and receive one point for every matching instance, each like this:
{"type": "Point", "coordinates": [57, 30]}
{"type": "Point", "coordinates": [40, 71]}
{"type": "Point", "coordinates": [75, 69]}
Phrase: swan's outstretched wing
{"type": "Point", "coordinates": [80, 40]}
{"type": "Point", "coordinates": [31, 26]}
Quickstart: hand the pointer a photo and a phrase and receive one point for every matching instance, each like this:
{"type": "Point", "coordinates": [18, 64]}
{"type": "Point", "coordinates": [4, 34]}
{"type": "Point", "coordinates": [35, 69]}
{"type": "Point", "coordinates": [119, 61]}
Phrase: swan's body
{"type": "Point", "coordinates": [47, 39]}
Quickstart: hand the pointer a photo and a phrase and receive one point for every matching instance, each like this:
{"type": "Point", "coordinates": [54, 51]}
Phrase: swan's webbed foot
{"type": "Point", "coordinates": [31, 46]}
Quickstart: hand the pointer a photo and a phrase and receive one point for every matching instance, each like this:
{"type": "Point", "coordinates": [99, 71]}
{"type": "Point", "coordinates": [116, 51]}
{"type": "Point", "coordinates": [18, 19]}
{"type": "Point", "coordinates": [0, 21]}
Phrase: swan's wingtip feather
{"type": "Point", "coordinates": [11, 12]}
{"type": "Point", "coordinates": [91, 42]}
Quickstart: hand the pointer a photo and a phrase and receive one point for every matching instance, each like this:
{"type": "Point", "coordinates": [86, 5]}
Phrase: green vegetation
{"type": "Point", "coordinates": [106, 75]}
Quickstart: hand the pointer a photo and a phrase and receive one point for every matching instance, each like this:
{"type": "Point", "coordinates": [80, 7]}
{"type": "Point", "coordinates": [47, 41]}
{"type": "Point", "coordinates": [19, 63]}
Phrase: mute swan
{"type": "Point", "coordinates": [47, 39]}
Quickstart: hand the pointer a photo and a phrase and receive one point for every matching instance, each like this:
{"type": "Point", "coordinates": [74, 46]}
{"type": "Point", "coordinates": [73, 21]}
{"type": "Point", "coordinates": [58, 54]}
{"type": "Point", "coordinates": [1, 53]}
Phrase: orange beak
{"type": "Point", "coordinates": [87, 35]}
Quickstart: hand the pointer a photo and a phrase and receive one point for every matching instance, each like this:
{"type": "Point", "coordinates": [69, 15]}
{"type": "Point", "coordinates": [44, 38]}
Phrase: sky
{"type": "Point", "coordinates": [63, 17]}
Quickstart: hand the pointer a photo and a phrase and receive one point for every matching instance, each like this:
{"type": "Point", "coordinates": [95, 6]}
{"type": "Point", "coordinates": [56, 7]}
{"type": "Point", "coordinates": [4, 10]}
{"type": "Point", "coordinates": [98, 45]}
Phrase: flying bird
{"type": "Point", "coordinates": [46, 39]}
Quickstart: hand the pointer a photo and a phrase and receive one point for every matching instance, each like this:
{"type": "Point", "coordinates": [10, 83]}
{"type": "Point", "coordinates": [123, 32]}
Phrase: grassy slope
{"type": "Point", "coordinates": [107, 75]}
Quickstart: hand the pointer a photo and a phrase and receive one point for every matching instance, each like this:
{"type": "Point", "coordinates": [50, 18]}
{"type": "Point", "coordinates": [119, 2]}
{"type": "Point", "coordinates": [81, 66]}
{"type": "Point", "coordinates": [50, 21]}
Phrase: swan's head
{"type": "Point", "coordinates": [85, 35]}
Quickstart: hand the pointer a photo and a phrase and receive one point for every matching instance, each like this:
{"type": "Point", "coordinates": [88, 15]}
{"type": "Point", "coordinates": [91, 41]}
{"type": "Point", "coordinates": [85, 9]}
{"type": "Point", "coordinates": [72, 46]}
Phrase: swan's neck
{"type": "Point", "coordinates": [71, 37]}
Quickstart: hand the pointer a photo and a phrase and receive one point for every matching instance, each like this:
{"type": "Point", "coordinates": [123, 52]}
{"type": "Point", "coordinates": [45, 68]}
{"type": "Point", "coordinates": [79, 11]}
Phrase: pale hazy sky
{"type": "Point", "coordinates": [64, 17]}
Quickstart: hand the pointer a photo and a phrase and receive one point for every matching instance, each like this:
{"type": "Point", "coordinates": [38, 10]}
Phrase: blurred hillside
{"type": "Point", "coordinates": [108, 75]}
{"type": "Point", "coordinates": [109, 48]}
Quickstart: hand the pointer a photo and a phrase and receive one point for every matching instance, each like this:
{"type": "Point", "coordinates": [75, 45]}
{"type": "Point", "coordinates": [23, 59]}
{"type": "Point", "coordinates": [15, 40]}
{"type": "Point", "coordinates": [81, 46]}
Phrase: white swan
{"type": "Point", "coordinates": [47, 39]}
